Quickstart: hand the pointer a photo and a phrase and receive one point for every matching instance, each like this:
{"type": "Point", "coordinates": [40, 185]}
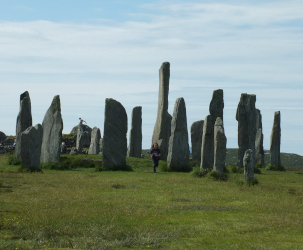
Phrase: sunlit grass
{"type": "Point", "coordinates": [85, 209]}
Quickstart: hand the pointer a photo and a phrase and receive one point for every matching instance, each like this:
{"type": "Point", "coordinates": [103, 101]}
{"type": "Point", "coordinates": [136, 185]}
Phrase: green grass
{"type": "Point", "coordinates": [80, 208]}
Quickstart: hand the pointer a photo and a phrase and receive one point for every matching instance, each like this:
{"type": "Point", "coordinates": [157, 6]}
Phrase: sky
{"type": "Point", "coordinates": [87, 51]}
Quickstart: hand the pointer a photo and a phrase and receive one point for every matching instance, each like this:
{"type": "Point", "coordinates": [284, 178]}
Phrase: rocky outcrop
{"type": "Point", "coordinates": [275, 141]}
{"type": "Point", "coordinates": [114, 138]}
{"type": "Point", "coordinates": [24, 119]}
{"type": "Point", "coordinates": [30, 152]}
{"type": "Point", "coordinates": [248, 164]}
{"type": "Point", "coordinates": [259, 139]}
{"type": "Point", "coordinates": [178, 150]}
{"type": "Point", "coordinates": [207, 149]}
{"type": "Point", "coordinates": [246, 117]}
{"type": "Point", "coordinates": [94, 147]}
{"type": "Point", "coordinates": [219, 146]}
{"type": "Point", "coordinates": [162, 129]}
{"type": "Point", "coordinates": [196, 132]}
{"type": "Point", "coordinates": [52, 133]}
{"type": "Point", "coordinates": [135, 135]}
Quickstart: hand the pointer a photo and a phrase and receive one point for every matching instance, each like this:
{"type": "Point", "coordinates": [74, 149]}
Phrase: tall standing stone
{"type": "Point", "coordinates": [94, 147]}
{"type": "Point", "coordinates": [114, 139]}
{"type": "Point", "coordinates": [24, 120]}
{"type": "Point", "coordinates": [259, 139]}
{"type": "Point", "coordinates": [217, 105]}
{"type": "Point", "coordinates": [52, 133]}
{"type": "Point", "coordinates": [178, 150]}
{"type": "Point", "coordinates": [219, 146]}
{"type": "Point", "coordinates": [162, 129]}
{"type": "Point", "coordinates": [275, 141]}
{"type": "Point", "coordinates": [135, 135]}
{"type": "Point", "coordinates": [246, 117]}
{"type": "Point", "coordinates": [196, 132]}
{"type": "Point", "coordinates": [30, 151]}
{"type": "Point", "coordinates": [248, 164]}
{"type": "Point", "coordinates": [207, 149]}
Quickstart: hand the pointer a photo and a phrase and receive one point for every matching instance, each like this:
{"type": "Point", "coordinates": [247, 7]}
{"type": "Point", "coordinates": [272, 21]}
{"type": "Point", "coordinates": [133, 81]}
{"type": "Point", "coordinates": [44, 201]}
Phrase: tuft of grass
{"type": "Point", "coordinates": [234, 169]}
{"type": "Point", "coordinates": [218, 177]}
{"type": "Point", "coordinates": [163, 166]}
{"type": "Point", "coordinates": [247, 183]}
{"type": "Point", "coordinates": [275, 168]}
{"type": "Point", "coordinates": [29, 170]}
{"type": "Point", "coordinates": [13, 160]}
{"type": "Point", "coordinates": [198, 172]}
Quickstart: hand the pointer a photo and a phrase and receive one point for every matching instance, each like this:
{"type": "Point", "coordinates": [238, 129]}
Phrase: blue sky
{"type": "Point", "coordinates": [87, 51]}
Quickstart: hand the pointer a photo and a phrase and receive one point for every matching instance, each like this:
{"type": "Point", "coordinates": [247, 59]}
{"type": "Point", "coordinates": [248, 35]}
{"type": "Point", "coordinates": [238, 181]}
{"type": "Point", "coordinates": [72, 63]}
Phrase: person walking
{"type": "Point", "coordinates": [155, 152]}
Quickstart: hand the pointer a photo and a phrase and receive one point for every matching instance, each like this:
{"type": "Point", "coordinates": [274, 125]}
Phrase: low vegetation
{"type": "Point", "coordinates": [81, 206]}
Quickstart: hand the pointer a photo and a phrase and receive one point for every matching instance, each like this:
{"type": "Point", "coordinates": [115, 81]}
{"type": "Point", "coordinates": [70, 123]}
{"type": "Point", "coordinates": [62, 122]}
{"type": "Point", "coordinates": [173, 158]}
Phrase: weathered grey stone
{"type": "Point", "coordinates": [30, 141]}
{"type": "Point", "coordinates": [73, 151]}
{"type": "Point", "coordinates": [248, 164]}
{"type": "Point", "coordinates": [196, 132]}
{"type": "Point", "coordinates": [135, 135]}
{"type": "Point", "coordinates": [207, 149]}
{"type": "Point", "coordinates": [259, 139]}
{"type": "Point", "coordinates": [24, 119]}
{"type": "Point", "coordinates": [84, 128]}
{"type": "Point", "coordinates": [219, 146]}
{"type": "Point", "coordinates": [162, 129]}
{"type": "Point", "coordinates": [246, 117]}
{"type": "Point", "coordinates": [2, 136]}
{"type": "Point", "coordinates": [94, 147]}
{"type": "Point", "coordinates": [82, 138]}
{"type": "Point", "coordinates": [52, 133]}
{"type": "Point", "coordinates": [114, 139]}
{"type": "Point", "coordinates": [217, 105]}
{"type": "Point", "coordinates": [178, 150]}
{"type": "Point", "coordinates": [101, 145]}
{"type": "Point", "coordinates": [275, 141]}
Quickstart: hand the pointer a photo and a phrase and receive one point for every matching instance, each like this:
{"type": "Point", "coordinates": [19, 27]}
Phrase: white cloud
{"type": "Point", "coordinates": [242, 48]}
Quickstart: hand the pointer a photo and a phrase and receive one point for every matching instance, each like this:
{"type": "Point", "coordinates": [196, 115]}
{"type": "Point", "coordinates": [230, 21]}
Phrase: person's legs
{"type": "Point", "coordinates": [155, 163]}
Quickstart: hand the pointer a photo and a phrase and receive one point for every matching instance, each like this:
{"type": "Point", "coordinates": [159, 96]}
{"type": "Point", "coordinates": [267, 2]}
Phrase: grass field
{"type": "Point", "coordinates": [85, 209]}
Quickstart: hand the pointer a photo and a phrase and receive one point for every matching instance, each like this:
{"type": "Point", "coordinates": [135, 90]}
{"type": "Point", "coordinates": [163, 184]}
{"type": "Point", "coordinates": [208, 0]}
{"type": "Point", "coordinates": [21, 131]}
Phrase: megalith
{"type": "Point", "coordinates": [275, 141]}
{"type": "Point", "coordinates": [207, 148]}
{"type": "Point", "coordinates": [135, 135]}
{"type": "Point", "coordinates": [114, 140]}
{"type": "Point", "coordinates": [217, 105]}
{"type": "Point", "coordinates": [94, 147]}
{"type": "Point", "coordinates": [24, 120]}
{"type": "Point", "coordinates": [196, 132]}
{"type": "Point", "coordinates": [219, 146]}
{"type": "Point", "coordinates": [2, 136]}
{"type": "Point", "coordinates": [52, 133]}
{"type": "Point", "coordinates": [248, 164]}
{"type": "Point", "coordinates": [30, 147]}
{"type": "Point", "coordinates": [246, 117]}
{"type": "Point", "coordinates": [259, 139]}
{"type": "Point", "coordinates": [84, 128]}
{"type": "Point", "coordinates": [162, 129]}
{"type": "Point", "coordinates": [178, 150]}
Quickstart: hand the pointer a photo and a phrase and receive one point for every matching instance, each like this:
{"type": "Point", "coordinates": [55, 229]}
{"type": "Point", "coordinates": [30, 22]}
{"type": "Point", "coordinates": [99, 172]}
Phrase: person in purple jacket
{"type": "Point", "coordinates": [155, 152]}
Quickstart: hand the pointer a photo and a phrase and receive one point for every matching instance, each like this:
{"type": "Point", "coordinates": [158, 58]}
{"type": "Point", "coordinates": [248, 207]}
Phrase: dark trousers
{"type": "Point", "coordinates": [155, 164]}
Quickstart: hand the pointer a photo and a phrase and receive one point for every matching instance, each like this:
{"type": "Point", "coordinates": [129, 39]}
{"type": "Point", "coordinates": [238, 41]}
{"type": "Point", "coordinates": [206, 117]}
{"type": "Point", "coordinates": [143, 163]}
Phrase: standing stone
{"type": "Point", "coordinates": [94, 147]}
{"type": "Point", "coordinates": [219, 146]}
{"type": "Point", "coordinates": [217, 105]}
{"type": "Point", "coordinates": [114, 138]}
{"type": "Point", "coordinates": [246, 117]}
{"type": "Point", "coordinates": [2, 136]}
{"type": "Point", "coordinates": [84, 128]}
{"type": "Point", "coordinates": [24, 120]}
{"type": "Point", "coordinates": [248, 164]}
{"type": "Point", "coordinates": [207, 149]}
{"type": "Point", "coordinates": [52, 133]}
{"type": "Point", "coordinates": [196, 132]}
{"type": "Point", "coordinates": [275, 141]}
{"type": "Point", "coordinates": [101, 145]}
{"type": "Point", "coordinates": [30, 150]}
{"type": "Point", "coordinates": [178, 150]}
{"type": "Point", "coordinates": [162, 129]}
{"type": "Point", "coordinates": [135, 135]}
{"type": "Point", "coordinates": [259, 139]}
